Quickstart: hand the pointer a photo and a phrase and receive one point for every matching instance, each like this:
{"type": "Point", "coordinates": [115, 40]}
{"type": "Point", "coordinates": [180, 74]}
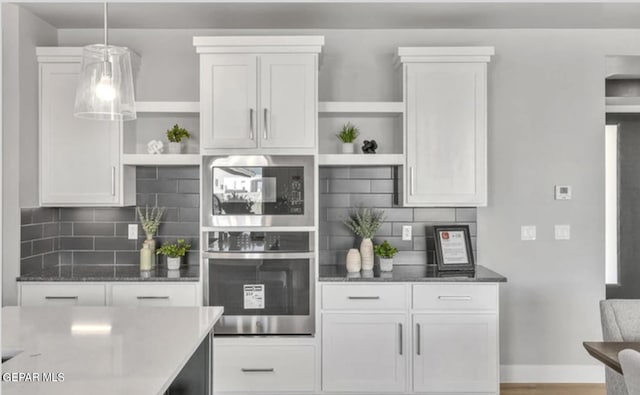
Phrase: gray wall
{"type": "Point", "coordinates": [342, 188]}
{"type": "Point", "coordinates": [21, 33]}
{"type": "Point", "coordinates": [546, 126]}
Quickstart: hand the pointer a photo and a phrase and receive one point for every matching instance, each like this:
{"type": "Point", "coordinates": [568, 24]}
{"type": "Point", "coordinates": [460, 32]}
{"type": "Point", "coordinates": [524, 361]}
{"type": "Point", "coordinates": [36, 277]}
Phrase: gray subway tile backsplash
{"type": "Point", "coordinates": [98, 236]}
{"type": "Point", "coordinates": [342, 188]}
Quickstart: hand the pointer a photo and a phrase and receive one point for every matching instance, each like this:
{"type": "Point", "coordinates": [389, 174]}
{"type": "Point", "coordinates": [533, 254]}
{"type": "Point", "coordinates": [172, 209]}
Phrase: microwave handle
{"type": "Point", "coordinates": [258, 255]}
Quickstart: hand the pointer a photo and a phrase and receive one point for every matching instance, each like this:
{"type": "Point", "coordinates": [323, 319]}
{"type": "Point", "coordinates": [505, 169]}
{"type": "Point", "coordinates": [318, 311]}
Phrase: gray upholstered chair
{"type": "Point", "coordinates": [630, 362]}
{"type": "Point", "coordinates": [620, 322]}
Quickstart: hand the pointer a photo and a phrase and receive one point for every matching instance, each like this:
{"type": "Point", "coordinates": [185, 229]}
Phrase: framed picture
{"type": "Point", "coordinates": [453, 247]}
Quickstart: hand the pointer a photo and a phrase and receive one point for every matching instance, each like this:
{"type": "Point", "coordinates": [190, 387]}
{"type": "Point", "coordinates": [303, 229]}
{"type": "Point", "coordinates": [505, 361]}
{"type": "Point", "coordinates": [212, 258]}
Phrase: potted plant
{"type": "Point", "coordinates": [174, 253]}
{"type": "Point", "coordinates": [348, 135]}
{"type": "Point", "coordinates": [385, 252]}
{"type": "Point", "coordinates": [175, 136]}
{"type": "Point", "coordinates": [365, 222]}
{"type": "Point", "coordinates": [150, 221]}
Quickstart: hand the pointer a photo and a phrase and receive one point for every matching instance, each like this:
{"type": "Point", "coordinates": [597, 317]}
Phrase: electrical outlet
{"type": "Point", "coordinates": [563, 232]}
{"type": "Point", "coordinates": [406, 232]}
{"type": "Point", "coordinates": [133, 231]}
{"type": "Point", "coordinates": [528, 232]}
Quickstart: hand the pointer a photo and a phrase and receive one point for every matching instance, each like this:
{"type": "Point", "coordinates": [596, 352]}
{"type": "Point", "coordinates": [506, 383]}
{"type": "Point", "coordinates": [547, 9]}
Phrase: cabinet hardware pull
{"type": "Point", "coordinates": [113, 180]}
{"type": "Point", "coordinates": [61, 297]}
{"type": "Point", "coordinates": [152, 297]}
{"type": "Point", "coordinates": [363, 297]}
{"type": "Point", "coordinates": [418, 339]}
{"type": "Point", "coordinates": [454, 297]}
{"type": "Point", "coordinates": [411, 181]}
{"type": "Point", "coordinates": [266, 129]}
{"type": "Point", "coordinates": [400, 332]}
{"type": "Point", "coordinates": [251, 123]}
{"type": "Point", "coordinates": [268, 370]}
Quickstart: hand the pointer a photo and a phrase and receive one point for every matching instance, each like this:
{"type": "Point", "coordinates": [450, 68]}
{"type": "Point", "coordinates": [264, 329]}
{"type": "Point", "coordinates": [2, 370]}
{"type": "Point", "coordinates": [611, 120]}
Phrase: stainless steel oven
{"type": "Point", "coordinates": [258, 190]}
{"type": "Point", "coordinates": [264, 281]}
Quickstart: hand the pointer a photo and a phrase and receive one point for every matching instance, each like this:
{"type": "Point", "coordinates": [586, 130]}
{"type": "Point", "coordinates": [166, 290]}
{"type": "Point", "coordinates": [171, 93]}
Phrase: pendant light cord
{"type": "Point", "coordinates": [107, 65]}
{"type": "Point", "coordinates": [105, 25]}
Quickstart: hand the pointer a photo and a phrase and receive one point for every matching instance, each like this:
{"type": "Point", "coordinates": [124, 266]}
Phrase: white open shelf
{"type": "Point", "coordinates": [360, 159]}
{"type": "Point", "coordinates": [168, 106]}
{"type": "Point", "coordinates": [160, 159]}
{"type": "Point", "coordinates": [361, 107]}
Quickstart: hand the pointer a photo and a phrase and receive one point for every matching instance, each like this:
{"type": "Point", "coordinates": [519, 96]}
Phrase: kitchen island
{"type": "Point", "coordinates": [107, 350]}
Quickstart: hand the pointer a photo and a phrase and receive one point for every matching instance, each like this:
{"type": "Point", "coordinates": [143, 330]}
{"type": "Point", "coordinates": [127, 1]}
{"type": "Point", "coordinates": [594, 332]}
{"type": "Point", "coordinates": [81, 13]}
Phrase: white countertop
{"type": "Point", "coordinates": [102, 350]}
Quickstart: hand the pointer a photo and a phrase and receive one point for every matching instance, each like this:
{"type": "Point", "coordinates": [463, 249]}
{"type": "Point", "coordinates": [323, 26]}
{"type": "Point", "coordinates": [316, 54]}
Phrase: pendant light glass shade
{"type": "Point", "coordinates": [105, 88]}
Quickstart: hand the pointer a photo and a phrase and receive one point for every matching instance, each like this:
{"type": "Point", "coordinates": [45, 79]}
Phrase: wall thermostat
{"type": "Point", "coordinates": [563, 192]}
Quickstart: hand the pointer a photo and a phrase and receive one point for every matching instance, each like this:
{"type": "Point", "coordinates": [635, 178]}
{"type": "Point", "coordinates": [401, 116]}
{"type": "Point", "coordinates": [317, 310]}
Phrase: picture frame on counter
{"type": "Point", "coordinates": [454, 251]}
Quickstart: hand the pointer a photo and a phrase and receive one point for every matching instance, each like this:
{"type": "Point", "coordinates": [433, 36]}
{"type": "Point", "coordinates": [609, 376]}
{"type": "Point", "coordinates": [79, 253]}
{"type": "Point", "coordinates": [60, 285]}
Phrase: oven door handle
{"type": "Point", "coordinates": [258, 255]}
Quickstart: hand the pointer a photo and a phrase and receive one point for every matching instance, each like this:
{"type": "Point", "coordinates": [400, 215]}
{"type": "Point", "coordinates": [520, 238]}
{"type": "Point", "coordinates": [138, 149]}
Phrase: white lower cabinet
{"type": "Point", "coordinates": [161, 294]}
{"type": "Point", "coordinates": [449, 347]}
{"type": "Point", "coordinates": [263, 368]}
{"type": "Point", "coordinates": [455, 353]}
{"type": "Point", "coordinates": [364, 352]}
{"type": "Point", "coordinates": [61, 294]}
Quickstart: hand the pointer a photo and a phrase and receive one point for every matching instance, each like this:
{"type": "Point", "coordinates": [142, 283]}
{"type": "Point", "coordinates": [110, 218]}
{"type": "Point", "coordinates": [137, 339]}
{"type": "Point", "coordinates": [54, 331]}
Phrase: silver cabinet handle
{"type": "Point", "coordinates": [251, 123]}
{"type": "Point", "coordinates": [265, 127]}
{"type": "Point", "coordinates": [363, 297]}
{"type": "Point", "coordinates": [113, 180]}
{"type": "Point", "coordinates": [418, 339]}
{"type": "Point", "coordinates": [152, 297]}
{"type": "Point", "coordinates": [267, 370]}
{"type": "Point", "coordinates": [61, 297]}
{"type": "Point", "coordinates": [400, 336]}
{"type": "Point", "coordinates": [411, 181]}
{"type": "Point", "coordinates": [454, 297]}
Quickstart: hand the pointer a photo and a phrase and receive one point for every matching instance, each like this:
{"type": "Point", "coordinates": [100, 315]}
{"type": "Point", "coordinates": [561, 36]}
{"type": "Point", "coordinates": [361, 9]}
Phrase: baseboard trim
{"type": "Point", "coordinates": [552, 373]}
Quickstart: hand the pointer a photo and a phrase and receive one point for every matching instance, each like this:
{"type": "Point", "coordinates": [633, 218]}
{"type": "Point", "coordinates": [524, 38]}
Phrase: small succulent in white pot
{"type": "Point", "coordinates": [385, 252]}
{"type": "Point", "coordinates": [175, 136]}
{"type": "Point", "coordinates": [174, 253]}
{"type": "Point", "coordinates": [348, 136]}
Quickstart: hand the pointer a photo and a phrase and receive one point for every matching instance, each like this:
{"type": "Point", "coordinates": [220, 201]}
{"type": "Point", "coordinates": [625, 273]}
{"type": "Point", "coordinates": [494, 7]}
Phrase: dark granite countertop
{"type": "Point", "coordinates": [409, 273]}
{"type": "Point", "coordinates": [111, 273]}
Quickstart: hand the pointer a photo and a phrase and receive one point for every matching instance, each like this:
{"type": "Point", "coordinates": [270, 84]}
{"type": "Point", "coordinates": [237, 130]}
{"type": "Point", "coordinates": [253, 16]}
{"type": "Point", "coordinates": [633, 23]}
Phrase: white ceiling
{"type": "Point", "coordinates": [336, 14]}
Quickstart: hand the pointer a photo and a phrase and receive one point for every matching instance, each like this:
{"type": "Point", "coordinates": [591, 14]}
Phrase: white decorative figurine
{"type": "Point", "coordinates": [155, 147]}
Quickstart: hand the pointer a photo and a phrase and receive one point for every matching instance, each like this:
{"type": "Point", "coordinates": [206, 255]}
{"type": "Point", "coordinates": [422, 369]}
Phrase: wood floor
{"type": "Point", "coordinates": [552, 389]}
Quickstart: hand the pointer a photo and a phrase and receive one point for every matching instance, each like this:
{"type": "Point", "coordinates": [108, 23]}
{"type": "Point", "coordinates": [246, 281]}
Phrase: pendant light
{"type": "Point", "coordinates": [105, 88]}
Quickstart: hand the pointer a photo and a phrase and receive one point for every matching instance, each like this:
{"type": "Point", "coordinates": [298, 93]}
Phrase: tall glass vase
{"type": "Point", "coordinates": [366, 253]}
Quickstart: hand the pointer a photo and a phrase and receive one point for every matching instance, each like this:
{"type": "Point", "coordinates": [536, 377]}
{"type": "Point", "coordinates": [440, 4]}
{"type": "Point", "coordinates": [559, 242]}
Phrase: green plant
{"type": "Point", "coordinates": [364, 221]}
{"type": "Point", "coordinates": [174, 250]}
{"type": "Point", "coordinates": [385, 250]}
{"type": "Point", "coordinates": [348, 134]}
{"type": "Point", "coordinates": [150, 220]}
{"type": "Point", "coordinates": [176, 134]}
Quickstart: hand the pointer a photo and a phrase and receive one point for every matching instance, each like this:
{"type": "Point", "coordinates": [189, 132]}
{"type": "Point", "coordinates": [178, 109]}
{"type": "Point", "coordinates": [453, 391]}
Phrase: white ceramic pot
{"type": "Point", "coordinates": [353, 261]}
{"type": "Point", "coordinates": [366, 253]}
{"type": "Point", "coordinates": [173, 263]}
{"type": "Point", "coordinates": [347, 148]}
{"type": "Point", "coordinates": [175, 148]}
{"type": "Point", "coordinates": [386, 264]}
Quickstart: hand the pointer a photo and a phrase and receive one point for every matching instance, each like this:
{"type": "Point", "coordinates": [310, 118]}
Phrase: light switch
{"type": "Point", "coordinates": [563, 232]}
{"type": "Point", "coordinates": [528, 232]}
{"type": "Point", "coordinates": [563, 192]}
{"type": "Point", "coordinates": [406, 232]}
{"type": "Point", "coordinates": [133, 231]}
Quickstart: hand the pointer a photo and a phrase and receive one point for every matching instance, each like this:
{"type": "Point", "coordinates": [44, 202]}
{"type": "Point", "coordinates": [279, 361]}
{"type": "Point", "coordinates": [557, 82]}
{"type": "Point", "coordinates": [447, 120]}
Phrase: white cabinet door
{"type": "Point", "coordinates": [62, 294]}
{"type": "Point", "coordinates": [79, 159]}
{"type": "Point", "coordinates": [288, 100]}
{"type": "Point", "coordinates": [455, 353]}
{"type": "Point", "coordinates": [364, 352]}
{"type": "Point", "coordinates": [160, 294]}
{"type": "Point", "coordinates": [446, 134]}
{"type": "Point", "coordinates": [229, 95]}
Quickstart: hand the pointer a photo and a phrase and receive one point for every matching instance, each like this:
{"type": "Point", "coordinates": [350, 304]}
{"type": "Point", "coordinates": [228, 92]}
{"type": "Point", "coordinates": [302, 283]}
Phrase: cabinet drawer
{"type": "Point", "coordinates": [455, 297]}
{"type": "Point", "coordinates": [160, 294]}
{"type": "Point", "coordinates": [263, 368]}
{"type": "Point", "coordinates": [62, 294]}
{"type": "Point", "coordinates": [364, 297]}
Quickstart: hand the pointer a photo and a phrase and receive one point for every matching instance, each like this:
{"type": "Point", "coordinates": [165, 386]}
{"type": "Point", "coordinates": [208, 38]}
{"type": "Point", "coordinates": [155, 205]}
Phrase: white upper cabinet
{"type": "Point", "coordinates": [258, 93]}
{"type": "Point", "coordinates": [79, 159]}
{"type": "Point", "coordinates": [445, 125]}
